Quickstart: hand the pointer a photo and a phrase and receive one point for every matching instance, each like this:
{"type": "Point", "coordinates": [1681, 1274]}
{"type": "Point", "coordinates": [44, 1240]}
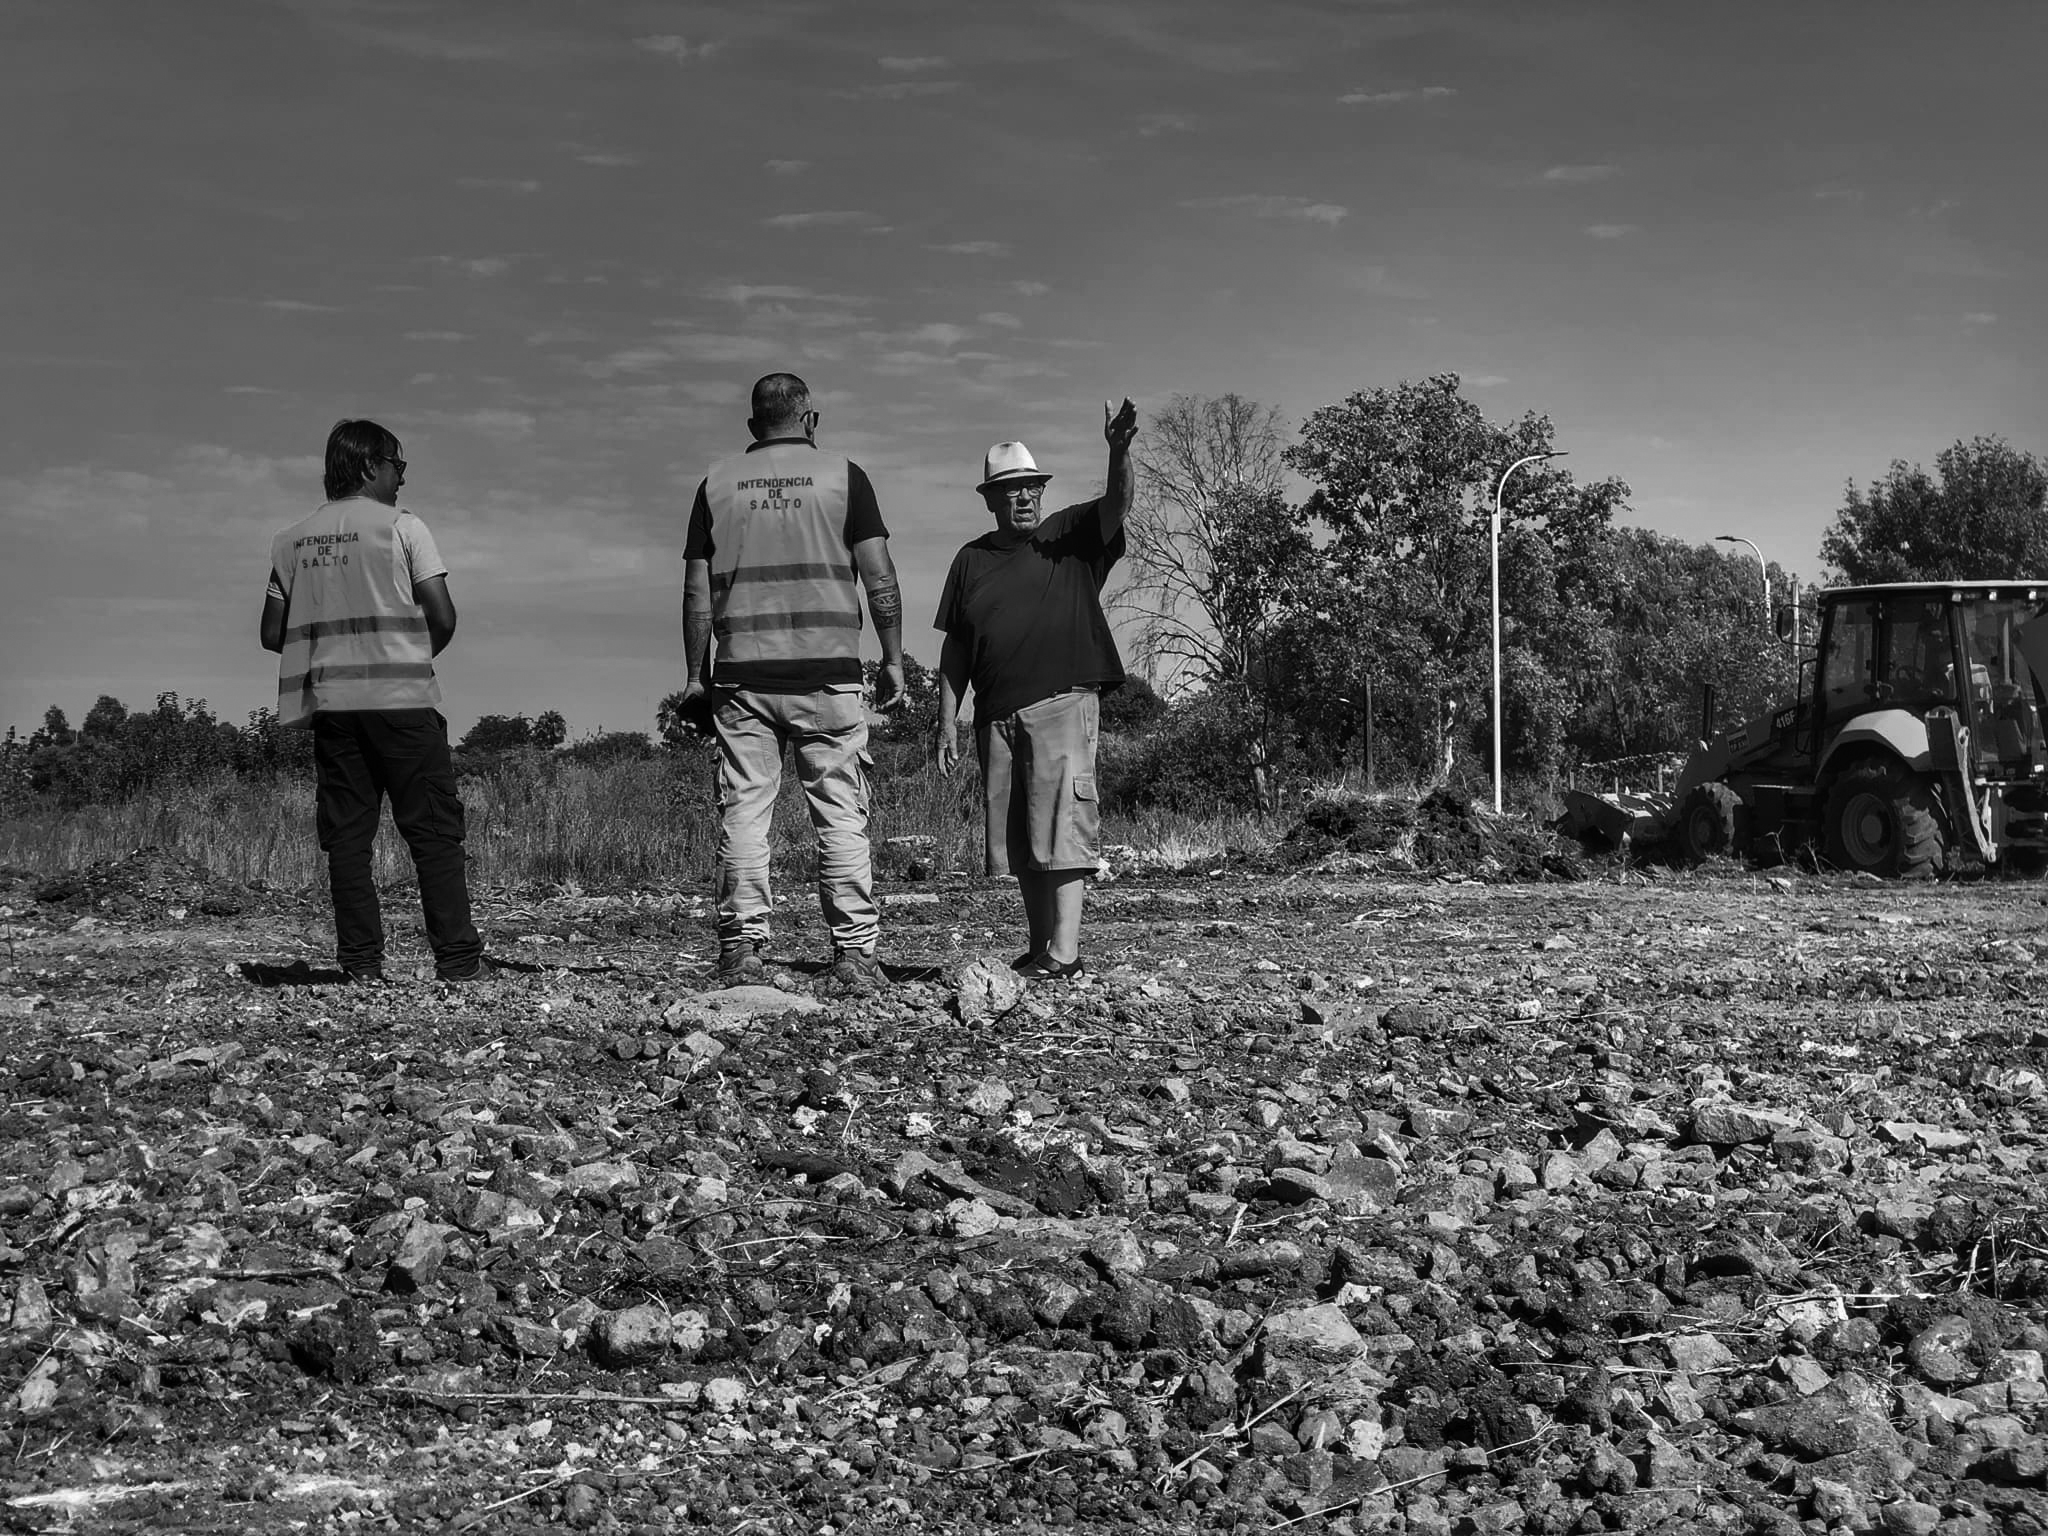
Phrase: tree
{"type": "Point", "coordinates": [1984, 517]}
{"type": "Point", "coordinates": [498, 733]}
{"type": "Point", "coordinates": [1404, 481]}
{"type": "Point", "coordinates": [1677, 619]}
{"type": "Point", "coordinates": [550, 730]}
{"type": "Point", "coordinates": [105, 717]}
{"type": "Point", "coordinates": [1201, 464]}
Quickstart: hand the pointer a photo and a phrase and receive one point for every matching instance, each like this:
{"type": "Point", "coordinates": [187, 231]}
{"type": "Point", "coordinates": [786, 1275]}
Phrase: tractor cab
{"type": "Point", "coordinates": [1911, 649]}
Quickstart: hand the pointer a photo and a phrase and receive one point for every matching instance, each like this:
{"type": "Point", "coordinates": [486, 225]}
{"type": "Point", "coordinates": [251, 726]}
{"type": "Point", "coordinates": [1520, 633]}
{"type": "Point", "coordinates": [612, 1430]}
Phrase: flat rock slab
{"type": "Point", "coordinates": [733, 1005]}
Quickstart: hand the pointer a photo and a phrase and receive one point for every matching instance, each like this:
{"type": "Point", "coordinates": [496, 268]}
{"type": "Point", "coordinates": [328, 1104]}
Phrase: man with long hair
{"type": "Point", "coordinates": [357, 609]}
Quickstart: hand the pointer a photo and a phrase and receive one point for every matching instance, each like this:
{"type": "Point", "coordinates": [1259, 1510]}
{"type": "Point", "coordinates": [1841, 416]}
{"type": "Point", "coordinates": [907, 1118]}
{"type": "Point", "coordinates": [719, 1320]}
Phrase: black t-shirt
{"type": "Point", "coordinates": [1030, 614]}
{"type": "Point", "coordinates": [863, 514]}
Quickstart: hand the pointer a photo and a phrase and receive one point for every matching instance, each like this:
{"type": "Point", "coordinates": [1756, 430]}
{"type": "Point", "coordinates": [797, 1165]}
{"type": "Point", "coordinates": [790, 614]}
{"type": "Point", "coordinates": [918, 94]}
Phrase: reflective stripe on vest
{"type": "Point", "coordinates": [355, 637]}
{"type": "Point", "coordinates": [783, 586]}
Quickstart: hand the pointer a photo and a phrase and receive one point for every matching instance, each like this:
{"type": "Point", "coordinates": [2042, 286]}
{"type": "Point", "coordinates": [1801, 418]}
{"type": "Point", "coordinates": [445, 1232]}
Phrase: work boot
{"type": "Point", "coordinates": [482, 968]}
{"type": "Point", "coordinates": [856, 969]}
{"type": "Point", "coordinates": [740, 963]}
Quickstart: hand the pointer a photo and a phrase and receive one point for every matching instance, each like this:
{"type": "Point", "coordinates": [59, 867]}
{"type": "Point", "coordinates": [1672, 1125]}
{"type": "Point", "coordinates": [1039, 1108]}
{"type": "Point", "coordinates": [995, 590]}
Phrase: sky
{"type": "Point", "coordinates": [1739, 253]}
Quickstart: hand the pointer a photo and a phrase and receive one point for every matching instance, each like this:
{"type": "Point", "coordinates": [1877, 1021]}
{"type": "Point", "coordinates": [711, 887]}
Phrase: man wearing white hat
{"type": "Point", "coordinates": [1024, 627]}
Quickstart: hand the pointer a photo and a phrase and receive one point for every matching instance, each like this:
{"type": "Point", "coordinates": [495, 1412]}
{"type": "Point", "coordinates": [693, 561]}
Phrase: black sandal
{"type": "Point", "coordinates": [1045, 968]}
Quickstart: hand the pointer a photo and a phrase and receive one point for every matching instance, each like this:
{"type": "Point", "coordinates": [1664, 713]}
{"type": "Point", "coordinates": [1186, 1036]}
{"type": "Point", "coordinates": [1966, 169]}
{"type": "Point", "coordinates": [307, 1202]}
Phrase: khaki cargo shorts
{"type": "Point", "coordinates": [1038, 785]}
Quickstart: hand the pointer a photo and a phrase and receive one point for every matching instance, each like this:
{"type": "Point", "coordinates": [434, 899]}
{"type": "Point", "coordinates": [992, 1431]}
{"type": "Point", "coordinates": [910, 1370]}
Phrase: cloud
{"type": "Point", "coordinates": [816, 220]}
{"type": "Point", "coordinates": [681, 346]}
{"type": "Point", "coordinates": [1365, 98]}
{"type": "Point", "coordinates": [1269, 205]}
{"type": "Point", "coordinates": [909, 66]}
{"type": "Point", "coordinates": [1980, 317]}
{"type": "Point", "coordinates": [940, 333]}
{"type": "Point", "coordinates": [902, 90]}
{"type": "Point", "coordinates": [296, 307]}
{"type": "Point", "coordinates": [1580, 173]}
{"type": "Point", "coordinates": [787, 167]}
{"type": "Point", "coordinates": [1000, 317]}
{"type": "Point", "coordinates": [478, 266]}
{"type": "Point", "coordinates": [1487, 380]}
{"type": "Point", "coordinates": [973, 248]}
{"type": "Point", "coordinates": [1152, 124]}
{"type": "Point", "coordinates": [681, 49]}
{"type": "Point", "coordinates": [1836, 192]}
{"type": "Point", "coordinates": [744, 293]}
{"type": "Point", "coordinates": [1032, 290]}
{"type": "Point", "coordinates": [498, 184]}
{"type": "Point", "coordinates": [609, 159]}
{"type": "Point", "coordinates": [436, 336]}
{"type": "Point", "coordinates": [504, 425]}
{"type": "Point", "coordinates": [1610, 231]}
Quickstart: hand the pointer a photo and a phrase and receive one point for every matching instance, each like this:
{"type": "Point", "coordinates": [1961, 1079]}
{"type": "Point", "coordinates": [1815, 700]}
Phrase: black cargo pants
{"type": "Point", "coordinates": [359, 757]}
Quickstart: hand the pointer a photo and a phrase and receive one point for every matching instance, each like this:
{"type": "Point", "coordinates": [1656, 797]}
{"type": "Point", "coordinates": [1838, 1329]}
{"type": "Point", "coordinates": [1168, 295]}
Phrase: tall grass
{"type": "Point", "coordinates": [539, 817]}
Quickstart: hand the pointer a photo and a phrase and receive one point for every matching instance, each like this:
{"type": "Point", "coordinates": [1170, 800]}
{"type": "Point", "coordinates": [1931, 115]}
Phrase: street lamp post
{"type": "Point", "coordinates": [1534, 458]}
{"type": "Point", "coordinates": [1736, 538]}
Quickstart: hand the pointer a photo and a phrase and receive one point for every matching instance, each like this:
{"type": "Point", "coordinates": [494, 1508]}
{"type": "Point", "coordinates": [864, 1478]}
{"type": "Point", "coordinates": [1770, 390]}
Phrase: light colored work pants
{"type": "Point", "coordinates": [830, 731]}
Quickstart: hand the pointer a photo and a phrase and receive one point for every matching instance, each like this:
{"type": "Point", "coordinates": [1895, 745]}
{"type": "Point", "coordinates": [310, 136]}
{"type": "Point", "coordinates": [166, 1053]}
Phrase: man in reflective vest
{"type": "Point", "coordinates": [778, 535]}
{"type": "Point", "coordinates": [357, 609]}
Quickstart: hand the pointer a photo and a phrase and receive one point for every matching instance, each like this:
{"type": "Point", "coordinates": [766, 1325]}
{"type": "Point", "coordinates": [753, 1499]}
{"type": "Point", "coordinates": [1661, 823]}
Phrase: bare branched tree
{"type": "Point", "coordinates": [1199, 461]}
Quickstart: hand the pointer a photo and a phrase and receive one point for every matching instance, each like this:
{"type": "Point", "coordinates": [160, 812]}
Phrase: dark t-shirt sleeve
{"type": "Point", "coordinates": [697, 542]}
{"type": "Point", "coordinates": [949, 617]}
{"type": "Point", "coordinates": [863, 513]}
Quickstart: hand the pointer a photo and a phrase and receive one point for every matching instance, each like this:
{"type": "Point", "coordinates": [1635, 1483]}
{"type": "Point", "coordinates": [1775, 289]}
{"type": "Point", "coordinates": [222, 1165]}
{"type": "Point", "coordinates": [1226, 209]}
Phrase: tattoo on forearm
{"type": "Point", "coordinates": [885, 604]}
{"type": "Point", "coordinates": [696, 639]}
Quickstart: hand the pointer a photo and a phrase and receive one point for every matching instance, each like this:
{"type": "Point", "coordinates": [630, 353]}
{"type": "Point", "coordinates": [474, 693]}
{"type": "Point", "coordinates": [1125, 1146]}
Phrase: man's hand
{"type": "Point", "coordinates": [695, 707]}
{"type": "Point", "coordinates": [1119, 424]}
{"type": "Point", "coordinates": [891, 692]}
{"type": "Point", "coordinates": [948, 745]}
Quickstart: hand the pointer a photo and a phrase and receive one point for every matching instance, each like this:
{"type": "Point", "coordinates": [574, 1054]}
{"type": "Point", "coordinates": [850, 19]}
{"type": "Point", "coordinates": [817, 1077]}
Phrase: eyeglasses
{"type": "Point", "coordinates": [1028, 492]}
{"type": "Point", "coordinates": [398, 464]}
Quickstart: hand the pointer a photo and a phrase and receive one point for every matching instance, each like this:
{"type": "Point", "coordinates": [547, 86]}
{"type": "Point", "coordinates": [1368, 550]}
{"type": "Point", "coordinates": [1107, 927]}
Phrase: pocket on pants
{"type": "Point", "coordinates": [1084, 787]}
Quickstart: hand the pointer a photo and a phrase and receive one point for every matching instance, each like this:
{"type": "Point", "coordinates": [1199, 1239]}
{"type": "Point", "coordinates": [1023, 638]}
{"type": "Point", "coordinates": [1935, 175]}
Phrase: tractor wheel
{"type": "Point", "coordinates": [1880, 817]}
{"type": "Point", "coordinates": [1712, 822]}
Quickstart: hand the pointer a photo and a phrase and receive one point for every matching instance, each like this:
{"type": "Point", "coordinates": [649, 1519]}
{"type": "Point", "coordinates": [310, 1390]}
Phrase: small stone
{"type": "Point", "coordinates": [1940, 1352]}
{"type": "Point", "coordinates": [1697, 1352]}
{"type": "Point", "coordinates": [418, 1258]}
{"type": "Point", "coordinates": [601, 1178]}
{"type": "Point", "coordinates": [1118, 1252]}
{"type": "Point", "coordinates": [1320, 1332]}
{"type": "Point", "coordinates": [1297, 1186]}
{"type": "Point", "coordinates": [1839, 1504]}
{"type": "Point", "coordinates": [986, 989]}
{"type": "Point", "coordinates": [1908, 1517]}
{"type": "Point", "coordinates": [972, 1218]}
{"type": "Point", "coordinates": [523, 1336]}
{"type": "Point", "coordinates": [1271, 1439]}
{"type": "Point", "coordinates": [631, 1336]}
{"type": "Point", "coordinates": [724, 1394]}
{"type": "Point", "coordinates": [1730, 1124]}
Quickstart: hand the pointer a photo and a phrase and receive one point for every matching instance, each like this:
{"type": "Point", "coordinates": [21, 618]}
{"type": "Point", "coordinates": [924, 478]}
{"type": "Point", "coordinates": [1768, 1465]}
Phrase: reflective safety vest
{"type": "Point", "coordinates": [785, 602]}
{"type": "Point", "coordinates": [354, 636]}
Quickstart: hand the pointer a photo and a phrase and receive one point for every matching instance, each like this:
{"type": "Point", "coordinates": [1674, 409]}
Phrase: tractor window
{"type": "Point", "coordinates": [1920, 656]}
{"type": "Point", "coordinates": [1847, 666]}
{"type": "Point", "coordinates": [2005, 726]}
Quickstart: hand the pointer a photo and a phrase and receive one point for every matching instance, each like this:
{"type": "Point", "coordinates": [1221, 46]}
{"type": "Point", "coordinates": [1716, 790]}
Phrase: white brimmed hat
{"type": "Point", "coordinates": [1009, 461]}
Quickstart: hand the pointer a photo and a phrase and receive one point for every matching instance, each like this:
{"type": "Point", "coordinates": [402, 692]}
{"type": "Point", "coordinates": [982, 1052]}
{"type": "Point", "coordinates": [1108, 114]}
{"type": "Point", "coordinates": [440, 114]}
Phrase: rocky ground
{"type": "Point", "coordinates": [1343, 1198]}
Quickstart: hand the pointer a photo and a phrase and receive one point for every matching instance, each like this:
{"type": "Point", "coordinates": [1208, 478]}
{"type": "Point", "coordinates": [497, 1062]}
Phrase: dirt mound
{"type": "Point", "coordinates": [148, 883]}
{"type": "Point", "coordinates": [1440, 834]}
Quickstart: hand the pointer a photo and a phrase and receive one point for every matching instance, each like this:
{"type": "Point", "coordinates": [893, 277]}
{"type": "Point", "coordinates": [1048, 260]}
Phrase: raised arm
{"type": "Point", "coordinates": [1119, 426]}
{"type": "Point", "coordinates": [885, 607]}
